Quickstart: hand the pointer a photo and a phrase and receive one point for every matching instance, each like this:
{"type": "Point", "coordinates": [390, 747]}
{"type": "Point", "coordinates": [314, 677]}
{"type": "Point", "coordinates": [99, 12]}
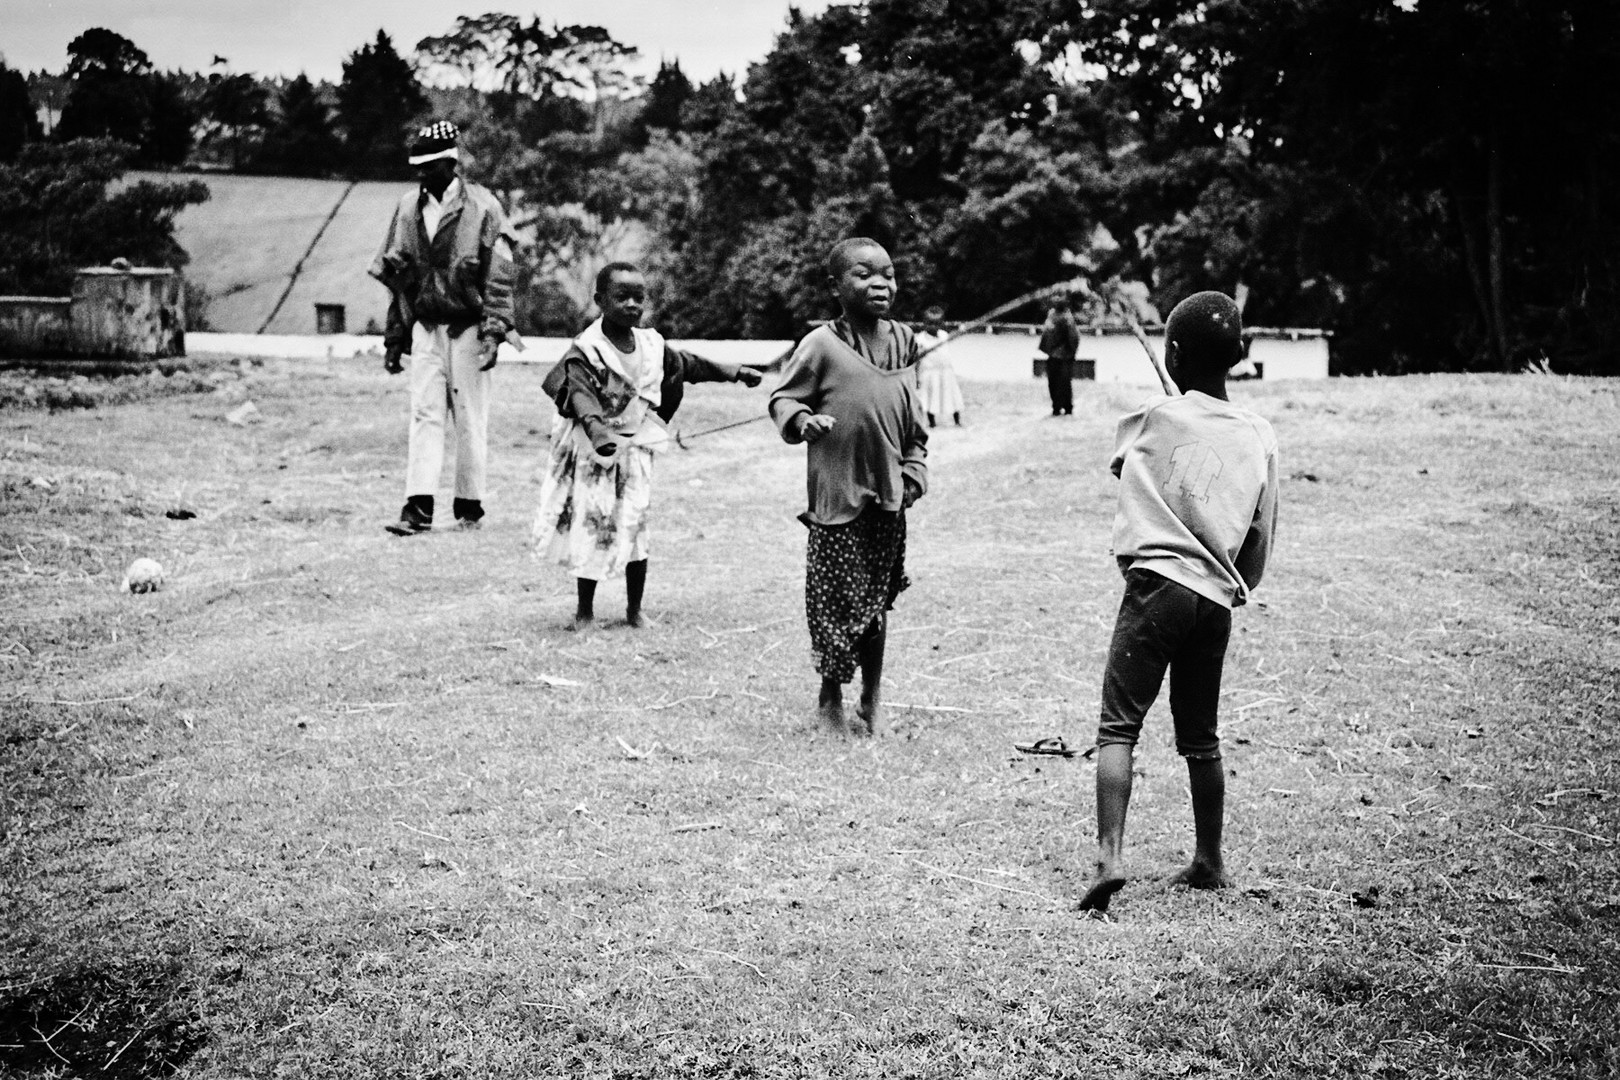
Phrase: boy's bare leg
{"type": "Point", "coordinates": [870, 653]}
{"type": "Point", "coordinates": [830, 704]}
{"type": "Point", "coordinates": [1207, 779]}
{"type": "Point", "coordinates": [635, 585]}
{"type": "Point", "coordinates": [1113, 799]}
{"type": "Point", "coordinates": [585, 607]}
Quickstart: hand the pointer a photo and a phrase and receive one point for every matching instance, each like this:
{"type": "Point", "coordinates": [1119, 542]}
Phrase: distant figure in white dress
{"type": "Point", "coordinates": [936, 379]}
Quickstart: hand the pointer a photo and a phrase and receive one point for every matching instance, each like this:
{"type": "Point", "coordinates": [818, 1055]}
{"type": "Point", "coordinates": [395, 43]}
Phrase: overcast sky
{"type": "Point", "coordinates": [285, 37]}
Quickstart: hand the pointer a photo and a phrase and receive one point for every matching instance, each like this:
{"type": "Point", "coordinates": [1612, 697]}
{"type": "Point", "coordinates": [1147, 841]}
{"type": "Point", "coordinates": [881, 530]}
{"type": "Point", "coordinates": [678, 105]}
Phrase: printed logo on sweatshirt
{"type": "Point", "coordinates": [1194, 468]}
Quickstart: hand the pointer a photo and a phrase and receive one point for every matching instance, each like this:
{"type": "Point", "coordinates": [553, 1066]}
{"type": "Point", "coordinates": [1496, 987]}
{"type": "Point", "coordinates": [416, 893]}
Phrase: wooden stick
{"type": "Point", "coordinates": [1043, 293]}
{"type": "Point", "coordinates": [424, 832]}
{"type": "Point", "coordinates": [130, 1042]}
{"type": "Point", "coordinates": [698, 826]}
{"type": "Point", "coordinates": [981, 881]}
{"type": "Point", "coordinates": [681, 701]}
{"type": "Point", "coordinates": [735, 958]}
{"type": "Point", "coordinates": [1113, 303]}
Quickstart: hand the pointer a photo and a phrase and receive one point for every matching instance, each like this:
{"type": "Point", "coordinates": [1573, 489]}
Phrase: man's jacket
{"type": "Point", "coordinates": [460, 278]}
{"type": "Point", "coordinates": [1060, 338]}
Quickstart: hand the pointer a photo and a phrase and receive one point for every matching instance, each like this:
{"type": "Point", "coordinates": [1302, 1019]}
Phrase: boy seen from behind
{"type": "Point", "coordinates": [1197, 512]}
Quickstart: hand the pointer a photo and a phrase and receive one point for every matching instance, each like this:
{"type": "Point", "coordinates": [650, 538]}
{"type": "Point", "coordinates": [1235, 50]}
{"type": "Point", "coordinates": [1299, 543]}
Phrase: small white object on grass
{"type": "Point", "coordinates": [244, 414]}
{"type": "Point", "coordinates": [143, 576]}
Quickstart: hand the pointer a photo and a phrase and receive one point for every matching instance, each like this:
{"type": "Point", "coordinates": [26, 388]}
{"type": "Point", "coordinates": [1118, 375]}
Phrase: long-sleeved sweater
{"type": "Point", "coordinates": [879, 436]}
{"type": "Point", "coordinates": [1197, 494]}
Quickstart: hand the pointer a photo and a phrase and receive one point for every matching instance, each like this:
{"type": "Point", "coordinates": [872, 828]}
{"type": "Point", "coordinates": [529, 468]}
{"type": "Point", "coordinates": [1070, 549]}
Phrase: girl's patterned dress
{"type": "Point", "coordinates": [936, 378]}
{"type": "Point", "coordinates": [594, 511]}
{"type": "Point", "coordinates": [853, 572]}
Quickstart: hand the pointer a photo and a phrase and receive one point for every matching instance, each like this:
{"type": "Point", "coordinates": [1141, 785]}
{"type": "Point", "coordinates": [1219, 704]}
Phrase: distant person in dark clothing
{"type": "Point", "coordinates": [1060, 340]}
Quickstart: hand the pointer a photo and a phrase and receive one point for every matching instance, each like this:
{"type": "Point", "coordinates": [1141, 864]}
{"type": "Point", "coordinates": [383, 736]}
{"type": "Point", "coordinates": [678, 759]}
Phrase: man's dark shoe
{"type": "Point", "coordinates": [416, 516]}
{"type": "Point", "coordinates": [409, 525]}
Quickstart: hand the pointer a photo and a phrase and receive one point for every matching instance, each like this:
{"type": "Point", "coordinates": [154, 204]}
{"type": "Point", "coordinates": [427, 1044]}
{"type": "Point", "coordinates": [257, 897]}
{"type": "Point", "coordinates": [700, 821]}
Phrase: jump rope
{"type": "Point", "coordinates": [1078, 285]}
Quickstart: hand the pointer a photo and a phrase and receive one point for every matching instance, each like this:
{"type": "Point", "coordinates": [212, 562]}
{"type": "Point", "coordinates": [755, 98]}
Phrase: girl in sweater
{"type": "Point", "coordinates": [850, 393]}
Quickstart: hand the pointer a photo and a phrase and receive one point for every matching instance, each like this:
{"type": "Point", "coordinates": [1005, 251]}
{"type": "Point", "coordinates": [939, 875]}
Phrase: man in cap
{"type": "Point", "coordinates": [447, 263]}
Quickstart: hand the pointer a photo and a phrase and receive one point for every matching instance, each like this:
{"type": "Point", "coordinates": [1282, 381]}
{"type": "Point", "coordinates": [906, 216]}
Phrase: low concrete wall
{"type": "Point", "coordinates": [36, 327]}
{"type": "Point", "coordinates": [114, 313]}
{"type": "Point", "coordinates": [134, 313]}
{"type": "Point", "coordinates": [1290, 354]}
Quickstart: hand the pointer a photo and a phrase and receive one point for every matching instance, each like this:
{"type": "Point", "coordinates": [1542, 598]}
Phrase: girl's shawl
{"type": "Point", "coordinates": [630, 398]}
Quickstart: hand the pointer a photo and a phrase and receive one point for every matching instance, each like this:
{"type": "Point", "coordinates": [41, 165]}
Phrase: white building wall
{"type": "Point", "coordinates": [1005, 356]}
{"type": "Point", "coordinates": [1296, 358]}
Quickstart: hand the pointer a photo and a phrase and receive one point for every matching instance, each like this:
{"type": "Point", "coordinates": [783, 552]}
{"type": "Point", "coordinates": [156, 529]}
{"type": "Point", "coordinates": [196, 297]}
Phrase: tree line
{"type": "Point", "coordinates": [1434, 181]}
{"type": "Point", "coordinates": [221, 119]}
{"type": "Point", "coordinates": [110, 111]}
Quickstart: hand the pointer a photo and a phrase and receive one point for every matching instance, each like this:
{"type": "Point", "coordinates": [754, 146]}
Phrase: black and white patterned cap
{"type": "Point", "coordinates": [434, 141]}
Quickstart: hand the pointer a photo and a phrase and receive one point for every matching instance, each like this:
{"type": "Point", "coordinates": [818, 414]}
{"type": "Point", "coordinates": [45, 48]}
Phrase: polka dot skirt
{"type": "Point", "coordinates": [853, 572]}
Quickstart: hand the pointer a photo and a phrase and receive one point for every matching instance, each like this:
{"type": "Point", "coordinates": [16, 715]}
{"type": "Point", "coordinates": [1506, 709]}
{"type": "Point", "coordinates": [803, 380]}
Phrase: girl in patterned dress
{"type": "Point", "coordinates": [850, 392]}
{"type": "Point", "coordinates": [615, 388]}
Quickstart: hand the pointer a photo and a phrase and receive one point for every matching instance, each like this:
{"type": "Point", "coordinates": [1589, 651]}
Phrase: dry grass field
{"type": "Point", "coordinates": [336, 804]}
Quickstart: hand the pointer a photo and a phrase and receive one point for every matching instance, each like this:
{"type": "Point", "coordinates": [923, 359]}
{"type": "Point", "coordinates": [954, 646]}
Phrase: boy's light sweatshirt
{"type": "Point", "coordinates": [1197, 494]}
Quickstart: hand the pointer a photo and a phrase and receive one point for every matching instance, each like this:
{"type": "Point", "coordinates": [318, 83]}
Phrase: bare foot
{"type": "Point", "coordinates": [870, 713]}
{"type": "Point", "coordinates": [581, 623]}
{"type": "Point", "coordinates": [635, 620]}
{"type": "Point", "coordinates": [831, 714]}
{"type": "Point", "coordinates": [1201, 875]}
{"type": "Point", "coordinates": [830, 706]}
{"type": "Point", "coordinates": [1108, 882]}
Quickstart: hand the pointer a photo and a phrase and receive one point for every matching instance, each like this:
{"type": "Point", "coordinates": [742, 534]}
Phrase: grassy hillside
{"type": "Point", "coordinates": [245, 241]}
{"type": "Point", "coordinates": [337, 804]}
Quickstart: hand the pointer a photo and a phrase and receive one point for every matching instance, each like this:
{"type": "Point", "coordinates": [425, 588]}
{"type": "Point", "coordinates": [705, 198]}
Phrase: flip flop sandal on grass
{"type": "Point", "coordinates": [1053, 746]}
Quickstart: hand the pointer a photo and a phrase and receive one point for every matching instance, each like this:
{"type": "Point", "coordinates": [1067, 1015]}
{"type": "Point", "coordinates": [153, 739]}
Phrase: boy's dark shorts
{"type": "Point", "coordinates": [1163, 624]}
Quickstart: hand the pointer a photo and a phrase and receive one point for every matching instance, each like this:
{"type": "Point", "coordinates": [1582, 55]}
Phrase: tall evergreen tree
{"type": "Point", "coordinates": [378, 99]}
{"type": "Point", "coordinates": [19, 123]}
{"type": "Point", "coordinates": [115, 94]}
{"type": "Point", "coordinates": [661, 107]}
{"type": "Point", "coordinates": [239, 105]}
{"type": "Point", "coordinates": [108, 98]}
{"type": "Point", "coordinates": [169, 131]}
{"type": "Point", "coordinates": [709, 105]}
{"type": "Point", "coordinates": [301, 140]}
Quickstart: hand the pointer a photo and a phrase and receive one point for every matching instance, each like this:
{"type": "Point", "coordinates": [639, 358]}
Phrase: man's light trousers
{"type": "Point", "coordinates": [447, 388]}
